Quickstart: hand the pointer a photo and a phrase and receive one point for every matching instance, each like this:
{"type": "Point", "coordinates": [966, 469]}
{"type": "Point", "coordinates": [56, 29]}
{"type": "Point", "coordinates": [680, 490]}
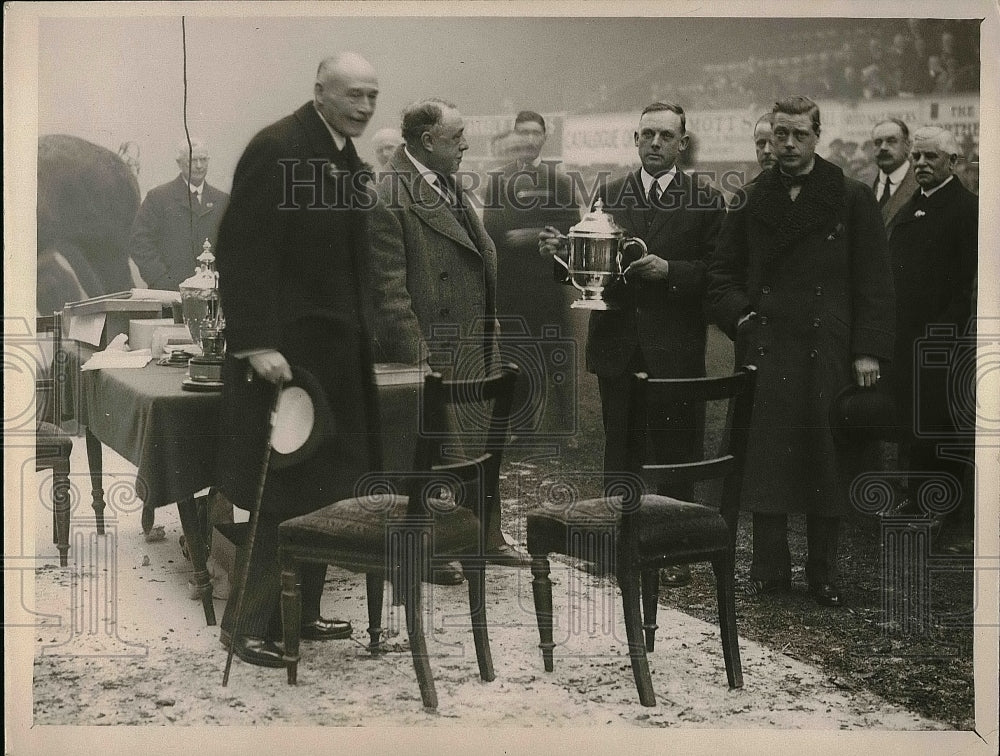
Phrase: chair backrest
{"type": "Point", "coordinates": [470, 482]}
{"type": "Point", "coordinates": [728, 464]}
{"type": "Point", "coordinates": [51, 369]}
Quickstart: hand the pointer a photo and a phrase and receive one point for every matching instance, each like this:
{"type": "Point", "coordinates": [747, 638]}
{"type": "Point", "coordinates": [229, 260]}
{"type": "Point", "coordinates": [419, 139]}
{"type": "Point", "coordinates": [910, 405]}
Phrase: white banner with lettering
{"type": "Point", "coordinates": [725, 136]}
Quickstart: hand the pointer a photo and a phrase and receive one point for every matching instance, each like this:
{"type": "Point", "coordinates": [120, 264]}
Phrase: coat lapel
{"type": "Point", "coordinates": [429, 206]}
{"type": "Point", "coordinates": [672, 200]}
{"type": "Point", "coordinates": [898, 200]}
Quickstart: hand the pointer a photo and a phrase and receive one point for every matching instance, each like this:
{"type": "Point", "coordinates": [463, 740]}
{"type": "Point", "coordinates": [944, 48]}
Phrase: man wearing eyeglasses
{"type": "Point", "coordinates": [175, 219]}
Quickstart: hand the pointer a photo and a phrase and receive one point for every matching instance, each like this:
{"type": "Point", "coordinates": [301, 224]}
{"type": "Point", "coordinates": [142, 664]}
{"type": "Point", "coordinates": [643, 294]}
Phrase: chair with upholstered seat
{"type": "Point", "coordinates": [52, 445]}
{"type": "Point", "coordinates": [400, 521]}
{"type": "Point", "coordinates": [631, 533]}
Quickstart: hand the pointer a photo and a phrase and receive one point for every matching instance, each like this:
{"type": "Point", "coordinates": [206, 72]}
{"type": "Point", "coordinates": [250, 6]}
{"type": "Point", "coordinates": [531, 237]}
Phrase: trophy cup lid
{"type": "Point", "coordinates": [597, 224]}
{"type": "Point", "coordinates": [205, 276]}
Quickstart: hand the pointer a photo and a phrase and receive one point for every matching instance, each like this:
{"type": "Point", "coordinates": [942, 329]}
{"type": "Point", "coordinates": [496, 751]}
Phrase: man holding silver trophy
{"type": "Point", "coordinates": [651, 318]}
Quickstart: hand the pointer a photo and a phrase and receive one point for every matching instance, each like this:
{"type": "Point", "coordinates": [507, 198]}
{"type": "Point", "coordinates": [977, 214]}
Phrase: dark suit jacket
{"type": "Point", "coordinates": [169, 231]}
{"type": "Point", "coordinates": [902, 195]}
{"type": "Point", "coordinates": [433, 285]}
{"type": "Point", "coordinates": [291, 259]}
{"type": "Point", "coordinates": [664, 320]}
{"type": "Point", "coordinates": [934, 248]}
{"type": "Point", "coordinates": [528, 198]}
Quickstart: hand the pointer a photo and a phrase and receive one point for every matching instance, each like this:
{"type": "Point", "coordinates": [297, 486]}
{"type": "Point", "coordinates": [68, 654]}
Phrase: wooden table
{"type": "Point", "coordinates": [169, 434]}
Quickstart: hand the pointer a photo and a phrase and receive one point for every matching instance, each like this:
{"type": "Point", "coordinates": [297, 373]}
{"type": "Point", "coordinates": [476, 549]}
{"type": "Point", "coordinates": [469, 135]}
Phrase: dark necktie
{"type": "Point", "coordinates": [446, 185]}
{"type": "Point", "coordinates": [349, 157]}
{"type": "Point", "coordinates": [883, 199]}
{"type": "Point", "coordinates": [654, 194]}
{"type": "Point", "coordinates": [195, 198]}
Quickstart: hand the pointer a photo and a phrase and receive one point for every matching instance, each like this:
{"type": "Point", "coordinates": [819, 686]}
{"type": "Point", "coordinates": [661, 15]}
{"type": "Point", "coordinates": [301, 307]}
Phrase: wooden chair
{"type": "Point", "coordinates": [402, 520]}
{"type": "Point", "coordinates": [636, 533]}
{"type": "Point", "coordinates": [52, 445]}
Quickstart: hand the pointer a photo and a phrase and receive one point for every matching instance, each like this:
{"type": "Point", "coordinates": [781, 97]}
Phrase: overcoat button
{"type": "Point", "coordinates": [444, 276]}
{"type": "Point", "coordinates": [819, 291]}
{"type": "Point", "coordinates": [766, 290]}
{"type": "Point", "coordinates": [816, 323]}
{"type": "Point", "coordinates": [813, 353]}
{"type": "Point", "coordinates": [444, 312]}
{"type": "Point", "coordinates": [761, 351]}
{"type": "Point", "coordinates": [763, 319]}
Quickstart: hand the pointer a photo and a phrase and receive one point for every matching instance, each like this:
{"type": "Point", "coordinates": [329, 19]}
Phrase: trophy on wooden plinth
{"type": "Point", "coordinates": [202, 313]}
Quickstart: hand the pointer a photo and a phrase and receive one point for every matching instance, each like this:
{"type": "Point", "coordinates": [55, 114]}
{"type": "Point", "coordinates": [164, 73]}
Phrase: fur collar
{"type": "Point", "coordinates": [820, 201]}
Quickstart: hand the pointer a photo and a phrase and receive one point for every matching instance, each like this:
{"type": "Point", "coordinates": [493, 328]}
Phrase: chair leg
{"type": "Point", "coordinates": [291, 615]}
{"type": "Point", "coordinates": [628, 582]}
{"type": "Point", "coordinates": [475, 573]}
{"type": "Point", "coordinates": [726, 590]}
{"type": "Point", "coordinates": [650, 601]}
{"type": "Point", "coordinates": [60, 510]}
{"type": "Point", "coordinates": [411, 561]}
{"type": "Point", "coordinates": [541, 590]}
{"type": "Point", "coordinates": [375, 589]}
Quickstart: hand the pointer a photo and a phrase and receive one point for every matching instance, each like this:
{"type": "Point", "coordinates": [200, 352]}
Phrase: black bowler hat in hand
{"type": "Point", "coordinates": [864, 414]}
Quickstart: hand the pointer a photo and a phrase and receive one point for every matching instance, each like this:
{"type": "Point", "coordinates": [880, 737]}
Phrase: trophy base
{"type": "Point", "coordinates": [597, 305]}
{"type": "Point", "coordinates": [205, 369]}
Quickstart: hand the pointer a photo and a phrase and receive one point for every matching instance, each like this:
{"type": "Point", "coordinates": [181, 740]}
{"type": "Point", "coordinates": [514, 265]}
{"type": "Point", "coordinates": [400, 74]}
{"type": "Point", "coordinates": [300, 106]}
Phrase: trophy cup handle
{"type": "Point", "coordinates": [626, 243]}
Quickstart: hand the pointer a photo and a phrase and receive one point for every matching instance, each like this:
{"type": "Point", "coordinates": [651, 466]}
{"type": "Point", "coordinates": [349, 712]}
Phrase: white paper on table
{"type": "Point", "coordinates": [116, 358]}
{"type": "Point", "coordinates": [86, 328]}
{"type": "Point", "coordinates": [166, 296]}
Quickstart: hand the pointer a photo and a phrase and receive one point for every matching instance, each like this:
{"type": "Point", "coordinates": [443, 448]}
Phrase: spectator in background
{"type": "Point", "coordinates": [175, 219]}
{"type": "Point", "coordinates": [939, 75]}
{"type": "Point", "coordinates": [895, 183]}
{"type": "Point", "coordinates": [384, 143]}
{"type": "Point", "coordinates": [763, 144]}
{"type": "Point", "coordinates": [849, 85]}
{"type": "Point", "coordinates": [521, 200]}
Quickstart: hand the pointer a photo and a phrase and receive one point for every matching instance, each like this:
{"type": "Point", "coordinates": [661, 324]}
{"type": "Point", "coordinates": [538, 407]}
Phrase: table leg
{"type": "Point", "coordinates": [95, 461]}
{"type": "Point", "coordinates": [196, 548]}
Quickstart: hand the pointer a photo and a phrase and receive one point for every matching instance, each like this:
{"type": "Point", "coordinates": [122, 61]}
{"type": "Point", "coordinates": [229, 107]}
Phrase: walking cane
{"type": "Point", "coordinates": [254, 515]}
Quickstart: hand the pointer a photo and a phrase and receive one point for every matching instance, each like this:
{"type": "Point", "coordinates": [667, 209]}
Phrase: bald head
{"type": "Point", "coordinates": [384, 143]}
{"type": "Point", "coordinates": [193, 160]}
{"type": "Point", "coordinates": [345, 92]}
{"type": "Point", "coordinates": [934, 155]}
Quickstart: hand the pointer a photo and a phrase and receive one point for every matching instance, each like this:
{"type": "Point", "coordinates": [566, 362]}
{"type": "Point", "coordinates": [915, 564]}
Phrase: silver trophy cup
{"type": "Point", "coordinates": [597, 256]}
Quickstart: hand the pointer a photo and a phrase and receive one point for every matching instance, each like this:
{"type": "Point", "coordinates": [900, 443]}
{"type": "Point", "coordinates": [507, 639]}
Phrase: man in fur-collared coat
{"type": "Point", "coordinates": [801, 282]}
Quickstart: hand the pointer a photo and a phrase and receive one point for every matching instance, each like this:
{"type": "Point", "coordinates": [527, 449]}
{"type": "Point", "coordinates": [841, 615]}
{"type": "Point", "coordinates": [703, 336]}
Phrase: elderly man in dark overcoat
{"type": "Point", "coordinates": [434, 275]}
{"type": "Point", "coordinates": [175, 219]}
{"type": "Point", "coordinates": [291, 257]}
{"type": "Point", "coordinates": [801, 282]}
{"type": "Point", "coordinates": [934, 249]}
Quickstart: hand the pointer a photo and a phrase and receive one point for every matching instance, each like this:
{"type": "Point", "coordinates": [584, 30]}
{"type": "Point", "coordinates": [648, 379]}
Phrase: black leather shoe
{"type": "Point", "coordinates": [761, 587]}
{"type": "Point", "coordinates": [321, 629]}
{"type": "Point", "coordinates": [449, 573]}
{"type": "Point", "coordinates": [257, 651]}
{"type": "Point", "coordinates": [826, 594]}
{"type": "Point", "coordinates": [508, 555]}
